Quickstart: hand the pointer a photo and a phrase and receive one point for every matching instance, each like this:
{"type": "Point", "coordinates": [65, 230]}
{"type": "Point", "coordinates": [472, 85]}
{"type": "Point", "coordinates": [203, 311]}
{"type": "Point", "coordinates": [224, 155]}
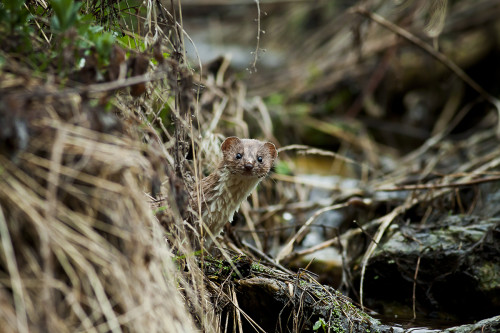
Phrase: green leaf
{"type": "Point", "coordinates": [14, 15]}
{"type": "Point", "coordinates": [65, 14]}
{"type": "Point", "coordinates": [103, 44]}
{"type": "Point", "coordinates": [14, 6]}
{"type": "Point", "coordinates": [54, 23]}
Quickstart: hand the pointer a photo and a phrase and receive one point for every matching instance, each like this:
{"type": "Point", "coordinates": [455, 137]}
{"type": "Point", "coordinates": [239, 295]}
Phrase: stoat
{"type": "Point", "coordinates": [245, 163]}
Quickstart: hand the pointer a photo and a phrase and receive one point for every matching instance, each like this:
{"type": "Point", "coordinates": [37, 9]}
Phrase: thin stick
{"type": "Point", "coordinates": [438, 186]}
{"type": "Point", "coordinates": [257, 46]}
{"type": "Point", "coordinates": [385, 222]}
{"type": "Point", "coordinates": [236, 309]}
{"type": "Point", "coordinates": [287, 249]}
{"type": "Point", "coordinates": [264, 256]}
{"type": "Point", "coordinates": [96, 87]}
{"type": "Point", "coordinates": [15, 276]}
{"type": "Point", "coordinates": [434, 53]}
{"type": "Point", "coordinates": [415, 287]}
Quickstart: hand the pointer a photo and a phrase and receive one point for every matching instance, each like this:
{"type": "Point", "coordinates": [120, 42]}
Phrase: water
{"type": "Point", "coordinates": [419, 325]}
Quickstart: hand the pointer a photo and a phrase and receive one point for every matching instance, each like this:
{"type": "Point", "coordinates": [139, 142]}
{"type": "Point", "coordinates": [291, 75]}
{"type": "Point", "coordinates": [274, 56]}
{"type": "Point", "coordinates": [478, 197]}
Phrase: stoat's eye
{"type": "Point", "coordinates": [238, 156]}
{"type": "Point", "coordinates": [259, 158]}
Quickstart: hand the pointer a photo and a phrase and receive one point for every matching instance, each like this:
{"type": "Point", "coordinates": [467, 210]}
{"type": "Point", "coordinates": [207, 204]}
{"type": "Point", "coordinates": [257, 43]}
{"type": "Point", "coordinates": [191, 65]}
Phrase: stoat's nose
{"type": "Point", "coordinates": [248, 166]}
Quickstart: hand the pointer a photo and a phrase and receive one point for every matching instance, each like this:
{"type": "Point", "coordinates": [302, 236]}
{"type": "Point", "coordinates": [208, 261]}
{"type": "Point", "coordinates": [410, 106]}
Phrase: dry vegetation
{"type": "Point", "coordinates": [97, 163]}
{"type": "Point", "coordinates": [81, 163]}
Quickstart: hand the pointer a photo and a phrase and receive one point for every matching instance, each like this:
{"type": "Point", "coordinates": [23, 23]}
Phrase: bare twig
{"type": "Point", "coordinates": [266, 257]}
{"type": "Point", "coordinates": [287, 249]}
{"type": "Point", "coordinates": [415, 287]}
{"type": "Point", "coordinates": [257, 46]}
{"type": "Point", "coordinates": [94, 88]}
{"type": "Point", "coordinates": [435, 54]}
{"type": "Point", "coordinates": [437, 186]}
{"type": "Point", "coordinates": [385, 223]}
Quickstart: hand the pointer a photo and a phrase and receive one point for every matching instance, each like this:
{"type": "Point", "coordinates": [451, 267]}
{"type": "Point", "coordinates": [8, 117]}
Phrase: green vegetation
{"type": "Point", "coordinates": [320, 323]}
{"type": "Point", "coordinates": [68, 35]}
{"type": "Point", "coordinates": [65, 14]}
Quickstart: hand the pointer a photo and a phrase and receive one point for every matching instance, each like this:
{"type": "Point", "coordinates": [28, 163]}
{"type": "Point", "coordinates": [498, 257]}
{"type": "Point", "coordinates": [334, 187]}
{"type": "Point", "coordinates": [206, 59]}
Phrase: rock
{"type": "Point", "coordinates": [457, 262]}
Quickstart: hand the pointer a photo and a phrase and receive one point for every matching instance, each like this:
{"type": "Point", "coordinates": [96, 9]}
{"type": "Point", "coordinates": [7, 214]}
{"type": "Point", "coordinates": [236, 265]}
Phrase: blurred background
{"type": "Point", "coordinates": [401, 93]}
{"type": "Point", "coordinates": [321, 60]}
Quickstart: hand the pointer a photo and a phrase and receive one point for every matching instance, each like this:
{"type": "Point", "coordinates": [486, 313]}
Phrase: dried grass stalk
{"type": "Point", "coordinates": [80, 247]}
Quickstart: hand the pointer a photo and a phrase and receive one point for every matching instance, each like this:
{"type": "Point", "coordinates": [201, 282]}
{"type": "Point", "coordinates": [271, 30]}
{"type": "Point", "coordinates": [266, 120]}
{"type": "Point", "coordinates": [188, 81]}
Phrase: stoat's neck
{"type": "Point", "coordinates": [223, 194]}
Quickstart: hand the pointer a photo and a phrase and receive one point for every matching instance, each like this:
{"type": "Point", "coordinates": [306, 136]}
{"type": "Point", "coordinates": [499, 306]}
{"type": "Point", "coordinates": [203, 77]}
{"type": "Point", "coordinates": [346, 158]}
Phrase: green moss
{"type": "Point", "coordinates": [488, 275]}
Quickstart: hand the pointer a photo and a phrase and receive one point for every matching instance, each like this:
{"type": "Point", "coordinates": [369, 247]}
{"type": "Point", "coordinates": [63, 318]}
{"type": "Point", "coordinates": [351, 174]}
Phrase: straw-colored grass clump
{"type": "Point", "coordinates": [80, 247]}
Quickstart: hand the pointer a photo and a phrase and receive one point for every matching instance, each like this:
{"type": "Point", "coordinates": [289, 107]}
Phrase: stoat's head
{"type": "Point", "coordinates": [248, 157]}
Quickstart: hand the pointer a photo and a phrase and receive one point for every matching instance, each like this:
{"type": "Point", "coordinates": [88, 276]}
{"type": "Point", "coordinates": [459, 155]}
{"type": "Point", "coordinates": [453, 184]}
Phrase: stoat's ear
{"type": "Point", "coordinates": [229, 142]}
{"type": "Point", "coordinates": [271, 148]}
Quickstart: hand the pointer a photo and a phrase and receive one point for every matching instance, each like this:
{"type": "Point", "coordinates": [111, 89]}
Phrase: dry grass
{"type": "Point", "coordinates": [93, 203]}
{"type": "Point", "coordinates": [81, 248]}
{"type": "Point", "coordinates": [83, 242]}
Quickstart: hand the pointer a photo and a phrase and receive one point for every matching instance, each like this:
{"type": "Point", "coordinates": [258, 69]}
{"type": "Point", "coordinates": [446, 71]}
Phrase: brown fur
{"type": "Point", "coordinates": [234, 179]}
